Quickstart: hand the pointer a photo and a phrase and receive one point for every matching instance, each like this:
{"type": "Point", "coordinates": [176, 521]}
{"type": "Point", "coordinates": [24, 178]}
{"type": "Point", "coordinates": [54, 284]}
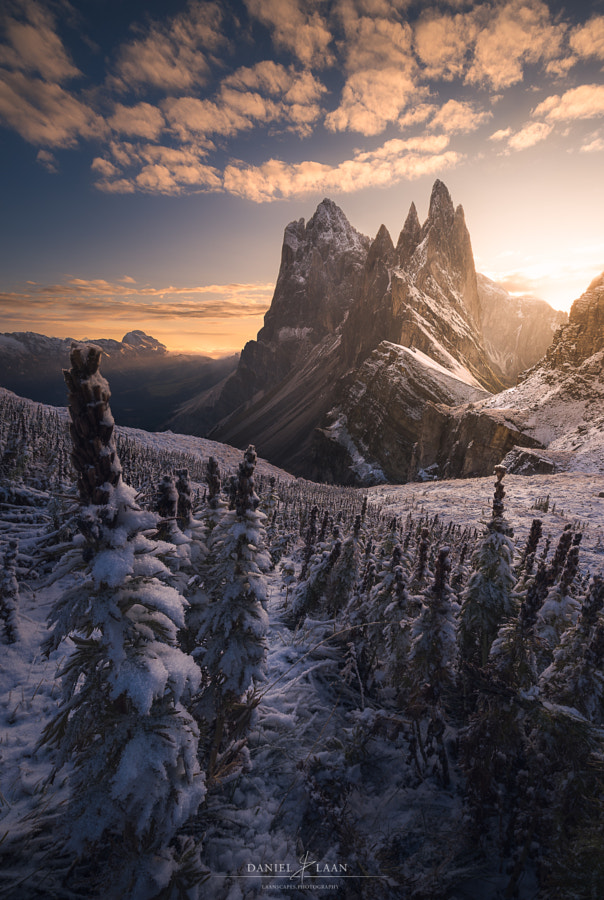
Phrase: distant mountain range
{"type": "Point", "coordinates": [368, 344]}
{"type": "Point", "coordinates": [147, 381]}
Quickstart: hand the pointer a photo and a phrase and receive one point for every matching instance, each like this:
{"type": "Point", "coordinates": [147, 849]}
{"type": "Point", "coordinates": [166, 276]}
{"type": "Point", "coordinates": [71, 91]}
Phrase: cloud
{"type": "Point", "coordinates": [266, 75]}
{"type": "Point", "coordinates": [417, 115]}
{"type": "Point", "coordinates": [531, 134]}
{"type": "Point", "coordinates": [501, 134]}
{"type": "Point", "coordinates": [584, 102]}
{"type": "Point", "coordinates": [442, 43]}
{"type": "Point", "coordinates": [459, 117]}
{"type": "Point", "coordinates": [395, 160]}
{"type": "Point", "coordinates": [162, 179]}
{"type": "Point", "coordinates": [371, 100]}
{"type": "Point", "coordinates": [48, 161]}
{"type": "Point", "coordinates": [515, 33]}
{"type": "Point", "coordinates": [46, 114]}
{"type": "Point", "coordinates": [297, 95]}
{"type": "Point", "coordinates": [301, 32]}
{"type": "Point", "coordinates": [142, 120]}
{"type": "Point", "coordinates": [34, 46]}
{"type": "Point", "coordinates": [237, 107]}
{"type": "Point", "coordinates": [174, 56]}
{"type": "Point", "coordinates": [377, 43]}
{"type": "Point", "coordinates": [190, 116]}
{"type": "Point", "coordinates": [154, 168]}
{"type": "Point", "coordinates": [79, 297]}
{"type": "Point", "coordinates": [588, 40]}
{"type": "Point", "coordinates": [595, 144]}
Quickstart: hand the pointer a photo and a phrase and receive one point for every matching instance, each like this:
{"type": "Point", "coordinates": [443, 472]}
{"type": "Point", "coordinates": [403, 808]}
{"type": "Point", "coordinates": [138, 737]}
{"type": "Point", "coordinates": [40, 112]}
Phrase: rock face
{"type": "Point", "coordinates": [321, 266]}
{"type": "Point", "coordinates": [584, 334]}
{"type": "Point", "coordinates": [366, 345]}
{"type": "Point", "coordinates": [561, 399]}
{"type": "Point", "coordinates": [380, 417]}
{"type": "Point", "coordinates": [517, 331]}
{"type": "Point", "coordinates": [424, 294]}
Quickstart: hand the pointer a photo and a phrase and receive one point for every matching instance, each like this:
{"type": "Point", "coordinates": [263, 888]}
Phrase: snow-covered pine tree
{"type": "Point", "coordinates": [341, 589]}
{"type": "Point", "coordinates": [527, 557]}
{"type": "Point", "coordinates": [308, 595]}
{"type": "Point", "coordinates": [214, 507]}
{"type": "Point", "coordinates": [397, 629]}
{"type": "Point", "coordinates": [560, 609]}
{"type": "Point", "coordinates": [234, 624]}
{"type": "Point", "coordinates": [432, 653]}
{"type": "Point", "coordinates": [487, 600]}
{"type": "Point", "coordinates": [420, 570]}
{"type": "Point", "coordinates": [576, 676]}
{"type": "Point", "coordinates": [512, 654]}
{"type": "Point", "coordinates": [166, 504]}
{"type": "Point", "coordinates": [184, 503]}
{"type": "Point", "coordinates": [432, 657]}
{"type": "Point", "coordinates": [9, 593]}
{"type": "Point", "coordinates": [122, 724]}
{"type": "Point", "coordinates": [309, 542]}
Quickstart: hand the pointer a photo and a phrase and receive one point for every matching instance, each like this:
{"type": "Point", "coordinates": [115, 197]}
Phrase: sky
{"type": "Point", "coordinates": [153, 151]}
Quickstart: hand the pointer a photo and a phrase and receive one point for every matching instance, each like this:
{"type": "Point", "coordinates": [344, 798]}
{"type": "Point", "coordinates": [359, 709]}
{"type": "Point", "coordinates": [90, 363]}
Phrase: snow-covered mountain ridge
{"type": "Point", "coordinates": [148, 380]}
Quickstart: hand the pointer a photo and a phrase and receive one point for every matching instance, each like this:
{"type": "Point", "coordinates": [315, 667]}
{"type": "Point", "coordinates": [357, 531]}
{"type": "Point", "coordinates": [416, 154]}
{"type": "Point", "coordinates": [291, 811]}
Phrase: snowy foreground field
{"type": "Point", "coordinates": [570, 498]}
{"type": "Point", "coordinates": [380, 755]}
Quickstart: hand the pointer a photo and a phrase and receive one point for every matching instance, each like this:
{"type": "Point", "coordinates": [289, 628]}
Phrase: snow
{"type": "Point", "coordinates": [574, 499]}
{"type": "Point", "coordinates": [309, 741]}
{"type": "Point", "coordinates": [368, 472]}
{"type": "Point", "coordinates": [454, 370]}
{"type": "Point", "coordinates": [293, 334]}
{"type": "Point", "coordinates": [563, 410]}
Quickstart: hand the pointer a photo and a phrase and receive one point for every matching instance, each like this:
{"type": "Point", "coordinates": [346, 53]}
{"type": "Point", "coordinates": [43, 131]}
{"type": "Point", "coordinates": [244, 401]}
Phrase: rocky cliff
{"type": "Point", "coordinates": [322, 264]}
{"type": "Point", "coordinates": [517, 331]}
{"type": "Point", "coordinates": [424, 294]}
{"type": "Point", "coordinates": [364, 340]}
{"type": "Point", "coordinates": [561, 399]}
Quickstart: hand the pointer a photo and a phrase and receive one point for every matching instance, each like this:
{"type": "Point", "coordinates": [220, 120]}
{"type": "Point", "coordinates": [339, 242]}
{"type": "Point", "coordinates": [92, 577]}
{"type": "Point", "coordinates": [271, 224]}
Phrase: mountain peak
{"type": "Point", "coordinates": [441, 205]}
{"type": "Point", "coordinates": [383, 241]}
{"type": "Point", "coordinates": [330, 225]}
{"type": "Point", "coordinates": [138, 340]}
{"type": "Point", "coordinates": [409, 237]}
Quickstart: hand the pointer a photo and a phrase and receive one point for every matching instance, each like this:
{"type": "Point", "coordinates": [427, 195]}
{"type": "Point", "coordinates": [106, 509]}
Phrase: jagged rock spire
{"type": "Point", "coordinates": [409, 237]}
{"type": "Point", "coordinates": [441, 209]}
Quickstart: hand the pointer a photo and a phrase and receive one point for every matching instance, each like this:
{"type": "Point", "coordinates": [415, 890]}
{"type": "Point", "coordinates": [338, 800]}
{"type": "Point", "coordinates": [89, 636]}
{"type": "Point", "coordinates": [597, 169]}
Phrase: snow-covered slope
{"type": "Point", "coordinates": [562, 398]}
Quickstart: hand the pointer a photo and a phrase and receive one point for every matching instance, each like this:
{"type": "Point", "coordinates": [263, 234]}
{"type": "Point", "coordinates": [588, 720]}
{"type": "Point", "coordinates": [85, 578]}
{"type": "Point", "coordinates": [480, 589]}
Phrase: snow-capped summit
{"type": "Point", "coordinates": [138, 340]}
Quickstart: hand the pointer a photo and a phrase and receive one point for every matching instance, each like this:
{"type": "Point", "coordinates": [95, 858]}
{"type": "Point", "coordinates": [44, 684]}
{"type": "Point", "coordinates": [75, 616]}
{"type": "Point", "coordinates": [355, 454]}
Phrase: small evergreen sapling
{"type": "Point", "coordinates": [576, 676]}
{"type": "Point", "coordinates": [487, 600]}
{"type": "Point", "coordinates": [9, 594]}
{"type": "Point", "coordinates": [433, 652]}
{"type": "Point", "coordinates": [234, 624]}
